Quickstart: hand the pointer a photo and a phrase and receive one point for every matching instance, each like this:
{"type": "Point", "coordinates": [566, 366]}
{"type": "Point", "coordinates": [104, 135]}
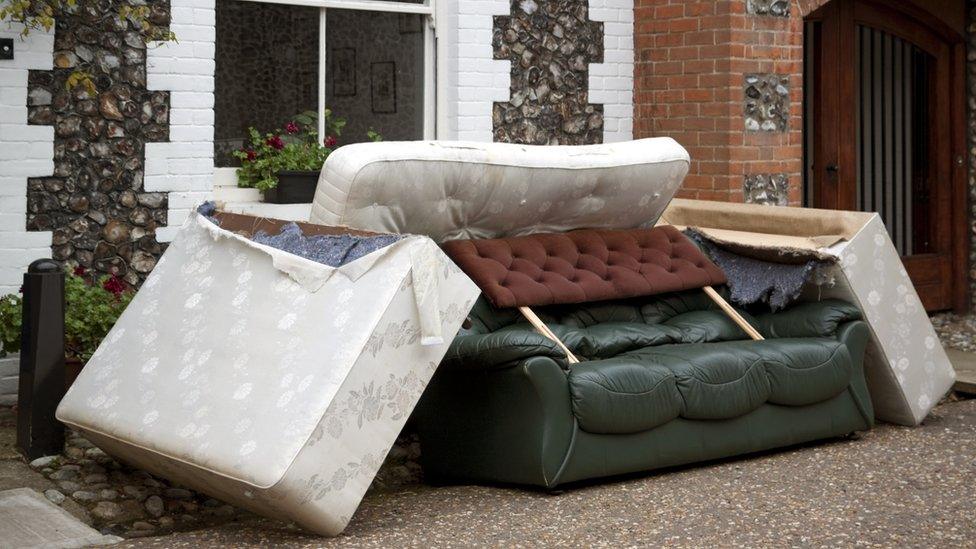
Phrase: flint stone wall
{"type": "Point", "coordinates": [94, 202]}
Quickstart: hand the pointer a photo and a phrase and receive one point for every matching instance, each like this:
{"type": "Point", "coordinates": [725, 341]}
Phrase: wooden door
{"type": "Point", "coordinates": [885, 132]}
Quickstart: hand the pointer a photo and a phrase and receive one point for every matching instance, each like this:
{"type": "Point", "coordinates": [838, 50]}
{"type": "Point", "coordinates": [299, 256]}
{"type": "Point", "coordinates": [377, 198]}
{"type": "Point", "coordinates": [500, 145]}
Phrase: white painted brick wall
{"type": "Point", "coordinates": [184, 166]}
{"type": "Point", "coordinates": [475, 79]}
{"type": "Point", "coordinates": [25, 151]}
{"type": "Point", "coordinates": [612, 82]}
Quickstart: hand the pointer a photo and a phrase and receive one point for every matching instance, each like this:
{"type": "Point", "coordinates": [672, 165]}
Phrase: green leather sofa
{"type": "Point", "coordinates": [665, 380]}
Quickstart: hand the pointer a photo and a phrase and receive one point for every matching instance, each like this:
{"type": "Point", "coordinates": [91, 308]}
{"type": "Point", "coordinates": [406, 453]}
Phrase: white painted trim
{"type": "Point", "coordinates": [323, 21]}
{"type": "Point", "coordinates": [370, 5]}
{"type": "Point", "coordinates": [430, 81]}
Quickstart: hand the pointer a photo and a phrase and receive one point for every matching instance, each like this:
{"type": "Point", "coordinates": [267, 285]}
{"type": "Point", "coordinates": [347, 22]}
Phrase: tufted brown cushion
{"type": "Point", "coordinates": [583, 266]}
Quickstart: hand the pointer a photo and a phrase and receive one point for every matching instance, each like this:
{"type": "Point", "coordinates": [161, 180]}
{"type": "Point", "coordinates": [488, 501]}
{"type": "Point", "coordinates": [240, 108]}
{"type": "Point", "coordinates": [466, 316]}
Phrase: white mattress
{"type": "Point", "coordinates": [449, 190]}
{"type": "Point", "coordinates": [252, 374]}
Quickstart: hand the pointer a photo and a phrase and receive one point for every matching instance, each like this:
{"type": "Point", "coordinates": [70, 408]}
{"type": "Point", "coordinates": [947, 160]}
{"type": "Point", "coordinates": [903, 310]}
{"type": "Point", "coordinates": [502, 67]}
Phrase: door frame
{"type": "Point", "coordinates": [834, 189]}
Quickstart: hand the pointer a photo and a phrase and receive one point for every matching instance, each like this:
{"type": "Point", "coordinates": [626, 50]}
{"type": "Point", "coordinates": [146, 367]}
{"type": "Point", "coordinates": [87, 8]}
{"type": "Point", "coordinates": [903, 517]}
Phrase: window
{"type": "Point", "coordinates": [370, 61]}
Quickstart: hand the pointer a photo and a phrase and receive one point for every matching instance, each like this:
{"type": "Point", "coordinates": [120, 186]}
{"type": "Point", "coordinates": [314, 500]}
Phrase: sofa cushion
{"type": "Point", "coordinates": [712, 381]}
{"type": "Point", "coordinates": [583, 266]}
{"type": "Point", "coordinates": [623, 395]}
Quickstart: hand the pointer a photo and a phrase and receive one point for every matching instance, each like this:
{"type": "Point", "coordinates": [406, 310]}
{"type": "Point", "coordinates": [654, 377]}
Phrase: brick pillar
{"type": "Point", "coordinates": [724, 78]}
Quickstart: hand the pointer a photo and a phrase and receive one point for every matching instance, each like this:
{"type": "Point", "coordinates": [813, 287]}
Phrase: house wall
{"type": "Point", "coordinates": [25, 151]}
{"type": "Point", "coordinates": [706, 72]}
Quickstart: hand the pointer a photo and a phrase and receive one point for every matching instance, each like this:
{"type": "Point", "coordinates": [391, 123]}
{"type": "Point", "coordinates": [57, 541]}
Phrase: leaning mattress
{"type": "Point", "coordinates": [268, 380]}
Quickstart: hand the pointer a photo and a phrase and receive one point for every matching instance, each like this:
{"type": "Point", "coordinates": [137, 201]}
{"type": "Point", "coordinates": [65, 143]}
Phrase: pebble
{"type": "Point", "coordinates": [142, 525]}
{"type": "Point", "coordinates": [69, 486]}
{"type": "Point", "coordinates": [54, 496]}
{"type": "Point", "coordinates": [153, 483]}
{"type": "Point", "coordinates": [177, 493]}
{"type": "Point", "coordinates": [74, 452]}
{"type": "Point", "coordinates": [95, 453]}
{"type": "Point", "coordinates": [106, 510]}
{"type": "Point", "coordinates": [64, 474]}
{"type": "Point", "coordinates": [137, 493]}
{"type": "Point", "coordinates": [45, 461]}
{"type": "Point", "coordinates": [96, 478]}
{"type": "Point", "coordinates": [225, 511]}
{"type": "Point", "coordinates": [166, 522]}
{"type": "Point", "coordinates": [107, 494]}
{"type": "Point", "coordinates": [85, 496]}
{"type": "Point", "coordinates": [154, 506]}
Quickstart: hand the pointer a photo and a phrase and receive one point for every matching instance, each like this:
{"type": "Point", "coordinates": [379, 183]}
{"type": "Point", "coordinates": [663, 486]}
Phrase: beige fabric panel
{"type": "Point", "coordinates": [453, 190]}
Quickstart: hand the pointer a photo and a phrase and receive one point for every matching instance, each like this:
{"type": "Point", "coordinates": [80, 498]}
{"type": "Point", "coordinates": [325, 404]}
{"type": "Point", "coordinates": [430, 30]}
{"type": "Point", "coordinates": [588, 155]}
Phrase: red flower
{"type": "Point", "coordinates": [291, 127]}
{"type": "Point", "coordinates": [275, 142]}
{"type": "Point", "coordinates": [80, 270]}
{"type": "Point", "coordinates": [251, 155]}
{"type": "Point", "coordinates": [114, 285]}
{"type": "Point", "coordinates": [330, 141]}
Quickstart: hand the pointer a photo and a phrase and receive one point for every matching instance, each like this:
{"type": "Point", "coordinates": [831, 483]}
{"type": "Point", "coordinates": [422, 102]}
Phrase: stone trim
{"type": "Point", "coordinates": [772, 189]}
{"type": "Point", "coordinates": [772, 8]}
{"type": "Point", "coordinates": [767, 102]}
{"type": "Point", "coordinates": [550, 46]}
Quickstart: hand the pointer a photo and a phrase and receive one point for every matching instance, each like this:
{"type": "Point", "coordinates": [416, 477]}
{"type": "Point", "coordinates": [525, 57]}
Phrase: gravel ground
{"type": "Point", "coordinates": [956, 331]}
{"type": "Point", "coordinates": [895, 486]}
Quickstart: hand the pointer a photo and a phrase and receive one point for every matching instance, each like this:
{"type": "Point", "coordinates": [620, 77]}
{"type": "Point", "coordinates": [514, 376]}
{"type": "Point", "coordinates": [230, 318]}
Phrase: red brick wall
{"type": "Point", "coordinates": [691, 58]}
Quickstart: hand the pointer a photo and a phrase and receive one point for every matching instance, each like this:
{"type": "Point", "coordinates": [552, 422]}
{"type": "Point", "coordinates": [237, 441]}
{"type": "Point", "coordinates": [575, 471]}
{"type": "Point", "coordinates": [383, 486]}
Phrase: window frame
{"type": "Point", "coordinates": [431, 57]}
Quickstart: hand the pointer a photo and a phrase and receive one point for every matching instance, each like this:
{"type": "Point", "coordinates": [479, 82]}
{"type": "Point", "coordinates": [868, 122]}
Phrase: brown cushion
{"type": "Point", "coordinates": [583, 266]}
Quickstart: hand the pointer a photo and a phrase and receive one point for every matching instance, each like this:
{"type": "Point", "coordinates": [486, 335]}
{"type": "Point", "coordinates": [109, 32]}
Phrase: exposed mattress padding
{"type": "Point", "coordinates": [334, 250]}
{"type": "Point", "coordinates": [583, 266]}
{"type": "Point", "coordinates": [450, 190]}
{"type": "Point", "coordinates": [752, 280]}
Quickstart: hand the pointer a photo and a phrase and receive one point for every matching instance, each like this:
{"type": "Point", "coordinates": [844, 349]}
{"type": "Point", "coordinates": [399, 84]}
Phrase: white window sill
{"type": "Point", "coordinates": [288, 212]}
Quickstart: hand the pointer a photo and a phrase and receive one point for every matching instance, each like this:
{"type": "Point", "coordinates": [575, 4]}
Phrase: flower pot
{"type": "Point", "coordinates": [294, 187]}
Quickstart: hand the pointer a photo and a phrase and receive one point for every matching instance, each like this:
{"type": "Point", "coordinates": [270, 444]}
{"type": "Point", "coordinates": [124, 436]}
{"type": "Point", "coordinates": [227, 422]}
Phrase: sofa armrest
{"type": "Point", "coordinates": [813, 319]}
{"type": "Point", "coordinates": [498, 350]}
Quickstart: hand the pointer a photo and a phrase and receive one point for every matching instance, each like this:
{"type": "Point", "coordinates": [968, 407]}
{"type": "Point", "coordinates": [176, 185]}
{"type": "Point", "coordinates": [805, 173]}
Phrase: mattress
{"type": "Point", "coordinates": [268, 380]}
{"type": "Point", "coordinates": [459, 190]}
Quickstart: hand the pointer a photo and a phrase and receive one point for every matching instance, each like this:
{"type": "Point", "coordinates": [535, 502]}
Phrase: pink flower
{"type": "Point", "coordinates": [114, 285]}
{"type": "Point", "coordinates": [80, 270]}
{"type": "Point", "coordinates": [330, 141]}
{"type": "Point", "coordinates": [292, 127]}
{"type": "Point", "coordinates": [275, 142]}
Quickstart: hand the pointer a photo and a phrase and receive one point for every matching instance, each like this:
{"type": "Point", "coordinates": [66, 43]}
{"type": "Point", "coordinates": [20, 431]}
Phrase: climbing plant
{"type": "Point", "coordinates": [41, 15]}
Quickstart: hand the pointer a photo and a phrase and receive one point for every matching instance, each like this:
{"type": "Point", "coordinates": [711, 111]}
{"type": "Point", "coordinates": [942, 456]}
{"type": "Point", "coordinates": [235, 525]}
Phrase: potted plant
{"type": "Point", "coordinates": [92, 306]}
{"type": "Point", "coordinates": [285, 164]}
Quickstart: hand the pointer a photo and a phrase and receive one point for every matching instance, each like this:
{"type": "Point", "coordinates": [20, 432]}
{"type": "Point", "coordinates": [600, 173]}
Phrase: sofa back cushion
{"type": "Point", "coordinates": [583, 266]}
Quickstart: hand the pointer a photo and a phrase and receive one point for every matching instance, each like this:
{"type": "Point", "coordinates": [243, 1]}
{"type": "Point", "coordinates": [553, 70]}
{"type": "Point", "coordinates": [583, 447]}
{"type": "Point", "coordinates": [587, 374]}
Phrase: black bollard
{"type": "Point", "coordinates": [41, 361]}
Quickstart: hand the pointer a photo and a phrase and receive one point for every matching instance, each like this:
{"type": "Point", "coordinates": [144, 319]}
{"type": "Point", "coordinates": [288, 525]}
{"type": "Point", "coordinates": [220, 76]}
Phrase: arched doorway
{"type": "Point", "coordinates": [885, 131]}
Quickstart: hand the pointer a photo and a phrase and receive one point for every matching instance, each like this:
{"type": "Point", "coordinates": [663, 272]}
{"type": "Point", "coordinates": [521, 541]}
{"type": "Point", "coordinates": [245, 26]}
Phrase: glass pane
{"type": "Point", "coordinates": [375, 73]}
{"type": "Point", "coordinates": [266, 72]}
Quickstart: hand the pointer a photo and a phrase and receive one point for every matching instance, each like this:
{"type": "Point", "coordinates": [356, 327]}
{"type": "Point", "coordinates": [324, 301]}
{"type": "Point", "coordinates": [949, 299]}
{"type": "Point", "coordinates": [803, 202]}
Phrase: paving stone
{"type": "Point", "coordinates": [28, 519]}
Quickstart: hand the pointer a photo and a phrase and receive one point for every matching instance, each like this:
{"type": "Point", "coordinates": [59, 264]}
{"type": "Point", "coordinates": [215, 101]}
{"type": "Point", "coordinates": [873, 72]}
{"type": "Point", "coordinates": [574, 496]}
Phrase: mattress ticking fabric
{"type": "Point", "coordinates": [268, 380]}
